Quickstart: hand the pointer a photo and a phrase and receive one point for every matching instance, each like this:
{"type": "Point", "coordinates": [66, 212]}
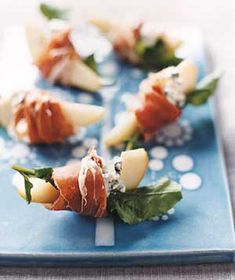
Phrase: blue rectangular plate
{"type": "Point", "coordinates": [199, 229]}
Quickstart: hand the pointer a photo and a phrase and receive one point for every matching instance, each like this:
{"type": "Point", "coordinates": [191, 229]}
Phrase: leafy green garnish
{"type": "Point", "coordinates": [51, 12]}
{"type": "Point", "coordinates": [144, 203]}
{"type": "Point", "coordinates": [90, 62]}
{"type": "Point", "coordinates": [41, 173]}
{"type": "Point", "coordinates": [205, 88]}
{"type": "Point", "coordinates": [156, 56]}
{"type": "Point", "coordinates": [133, 142]}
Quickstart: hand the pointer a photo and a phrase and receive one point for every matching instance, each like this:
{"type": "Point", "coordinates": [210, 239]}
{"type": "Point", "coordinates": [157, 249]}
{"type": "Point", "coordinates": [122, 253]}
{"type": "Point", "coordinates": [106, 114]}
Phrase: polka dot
{"type": "Point", "coordinates": [159, 152]}
{"type": "Point", "coordinates": [179, 142]}
{"type": "Point", "coordinates": [79, 152]}
{"type": "Point", "coordinates": [174, 134]}
{"type": "Point", "coordinates": [156, 164]}
{"type": "Point", "coordinates": [19, 151]}
{"type": "Point", "coordinates": [109, 69]}
{"type": "Point", "coordinates": [155, 219]}
{"type": "Point", "coordinates": [90, 142]}
{"type": "Point", "coordinates": [190, 181]}
{"type": "Point", "coordinates": [164, 217]}
{"type": "Point", "coordinates": [182, 163]}
{"type": "Point", "coordinates": [136, 73]}
{"type": "Point", "coordinates": [172, 130]}
{"type": "Point", "coordinates": [171, 211]}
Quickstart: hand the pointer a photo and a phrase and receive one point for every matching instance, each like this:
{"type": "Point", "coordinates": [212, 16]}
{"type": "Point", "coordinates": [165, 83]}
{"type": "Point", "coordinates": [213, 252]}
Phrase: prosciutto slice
{"type": "Point", "coordinates": [43, 117]}
{"type": "Point", "coordinates": [55, 56]}
{"type": "Point", "coordinates": [125, 41]}
{"type": "Point", "coordinates": [81, 187]}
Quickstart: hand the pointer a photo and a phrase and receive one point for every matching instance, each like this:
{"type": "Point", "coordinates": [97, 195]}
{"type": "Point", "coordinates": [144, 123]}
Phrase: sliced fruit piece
{"type": "Point", "coordinates": [82, 114]}
{"type": "Point", "coordinates": [188, 74]}
{"type": "Point", "coordinates": [134, 167]}
{"type": "Point", "coordinates": [103, 25]}
{"type": "Point", "coordinates": [80, 75]}
{"type": "Point", "coordinates": [36, 39]}
{"type": "Point", "coordinates": [172, 43]}
{"type": "Point", "coordinates": [41, 192]}
{"type": "Point", "coordinates": [122, 131]}
{"type": "Point", "coordinates": [5, 111]}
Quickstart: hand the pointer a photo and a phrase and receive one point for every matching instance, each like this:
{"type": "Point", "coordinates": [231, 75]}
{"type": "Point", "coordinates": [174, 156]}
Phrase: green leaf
{"type": "Point", "coordinates": [90, 62]}
{"type": "Point", "coordinates": [51, 12]}
{"type": "Point", "coordinates": [144, 203]}
{"type": "Point", "coordinates": [205, 88]}
{"type": "Point", "coordinates": [28, 186]}
{"type": "Point", "coordinates": [133, 142]}
{"type": "Point", "coordinates": [41, 173]}
{"type": "Point", "coordinates": [156, 56]}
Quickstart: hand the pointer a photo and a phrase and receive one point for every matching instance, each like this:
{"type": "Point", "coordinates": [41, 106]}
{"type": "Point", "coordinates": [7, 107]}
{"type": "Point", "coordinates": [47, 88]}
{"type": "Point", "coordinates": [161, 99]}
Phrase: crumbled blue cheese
{"type": "Point", "coordinates": [173, 90]}
{"type": "Point", "coordinates": [111, 175]}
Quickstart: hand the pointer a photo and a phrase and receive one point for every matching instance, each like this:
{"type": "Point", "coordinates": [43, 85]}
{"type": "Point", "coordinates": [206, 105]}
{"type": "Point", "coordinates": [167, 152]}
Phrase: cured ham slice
{"type": "Point", "coordinates": [160, 100]}
{"type": "Point", "coordinates": [81, 188]}
{"type": "Point", "coordinates": [57, 59]}
{"type": "Point", "coordinates": [58, 51]}
{"type": "Point", "coordinates": [155, 111]}
{"type": "Point", "coordinates": [43, 118]}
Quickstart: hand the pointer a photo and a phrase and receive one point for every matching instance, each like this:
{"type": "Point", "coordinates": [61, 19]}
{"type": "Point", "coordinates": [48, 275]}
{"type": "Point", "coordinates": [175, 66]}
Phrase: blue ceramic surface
{"type": "Point", "coordinates": [199, 229]}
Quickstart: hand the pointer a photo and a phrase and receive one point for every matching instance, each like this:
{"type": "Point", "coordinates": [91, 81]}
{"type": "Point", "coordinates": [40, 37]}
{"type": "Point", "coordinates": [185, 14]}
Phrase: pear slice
{"type": "Point", "coordinates": [122, 131]}
{"type": "Point", "coordinates": [78, 74]}
{"type": "Point", "coordinates": [104, 25]}
{"type": "Point", "coordinates": [134, 167]}
{"type": "Point", "coordinates": [41, 192]}
{"type": "Point", "coordinates": [188, 73]}
{"type": "Point", "coordinates": [36, 38]}
{"type": "Point", "coordinates": [82, 114]}
{"type": "Point", "coordinates": [5, 111]}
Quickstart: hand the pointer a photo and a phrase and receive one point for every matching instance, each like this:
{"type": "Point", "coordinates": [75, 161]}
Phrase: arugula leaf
{"type": "Point", "coordinates": [41, 173]}
{"type": "Point", "coordinates": [205, 88]}
{"type": "Point", "coordinates": [144, 203]}
{"type": "Point", "coordinates": [156, 56]}
{"type": "Point", "coordinates": [133, 142]}
{"type": "Point", "coordinates": [90, 62]}
{"type": "Point", "coordinates": [51, 12]}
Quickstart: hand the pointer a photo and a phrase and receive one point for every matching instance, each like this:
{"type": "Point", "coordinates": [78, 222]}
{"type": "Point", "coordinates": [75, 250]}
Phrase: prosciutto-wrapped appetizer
{"type": "Point", "coordinates": [96, 188]}
{"type": "Point", "coordinates": [57, 59]}
{"type": "Point", "coordinates": [37, 117]}
{"type": "Point", "coordinates": [140, 44]}
{"type": "Point", "coordinates": [160, 100]}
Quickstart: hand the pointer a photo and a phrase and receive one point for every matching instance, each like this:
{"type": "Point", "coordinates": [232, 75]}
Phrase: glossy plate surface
{"type": "Point", "coordinates": [199, 229]}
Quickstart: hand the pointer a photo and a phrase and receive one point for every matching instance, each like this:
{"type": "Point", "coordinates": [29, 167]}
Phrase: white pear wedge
{"type": "Point", "coordinates": [104, 25]}
{"type": "Point", "coordinates": [36, 38]}
{"type": "Point", "coordinates": [188, 74]}
{"type": "Point", "coordinates": [122, 131]}
{"type": "Point", "coordinates": [5, 111]}
{"type": "Point", "coordinates": [134, 167]}
{"type": "Point", "coordinates": [80, 75]}
{"type": "Point", "coordinates": [82, 114]}
{"type": "Point", "coordinates": [41, 192]}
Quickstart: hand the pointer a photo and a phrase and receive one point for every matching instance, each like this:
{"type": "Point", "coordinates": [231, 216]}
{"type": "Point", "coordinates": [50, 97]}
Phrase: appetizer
{"type": "Point", "coordinates": [57, 59]}
{"type": "Point", "coordinates": [96, 188]}
{"type": "Point", "coordinates": [37, 117]}
{"type": "Point", "coordinates": [160, 100]}
{"type": "Point", "coordinates": [140, 44]}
